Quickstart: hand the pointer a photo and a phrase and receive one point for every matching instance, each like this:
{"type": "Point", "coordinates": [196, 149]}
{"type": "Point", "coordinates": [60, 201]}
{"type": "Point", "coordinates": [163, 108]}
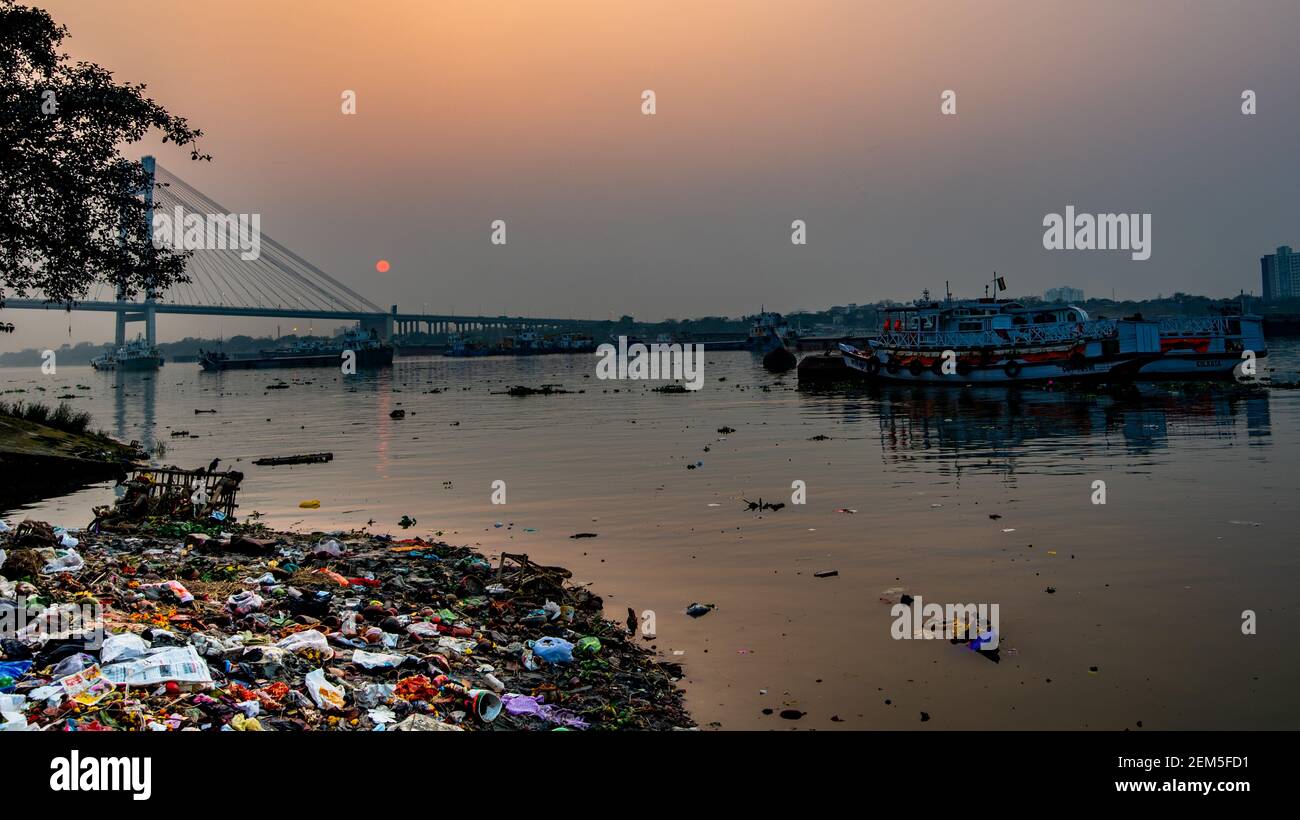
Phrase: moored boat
{"type": "Point", "coordinates": [994, 341]}
{"type": "Point", "coordinates": [134, 356]}
{"type": "Point", "coordinates": [369, 350]}
{"type": "Point", "coordinates": [1207, 347]}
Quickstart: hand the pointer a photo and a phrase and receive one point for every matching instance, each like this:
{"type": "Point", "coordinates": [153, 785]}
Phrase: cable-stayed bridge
{"type": "Point", "coordinates": [229, 280]}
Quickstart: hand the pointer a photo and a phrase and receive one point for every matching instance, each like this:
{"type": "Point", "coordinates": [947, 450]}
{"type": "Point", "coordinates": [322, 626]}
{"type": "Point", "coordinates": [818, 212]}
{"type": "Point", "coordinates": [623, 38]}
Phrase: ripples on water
{"type": "Point", "coordinates": [1150, 587]}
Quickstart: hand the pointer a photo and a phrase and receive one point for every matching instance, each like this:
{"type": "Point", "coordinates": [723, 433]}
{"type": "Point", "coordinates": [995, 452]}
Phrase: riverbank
{"type": "Point", "coordinates": [52, 462]}
{"type": "Point", "coordinates": [253, 629]}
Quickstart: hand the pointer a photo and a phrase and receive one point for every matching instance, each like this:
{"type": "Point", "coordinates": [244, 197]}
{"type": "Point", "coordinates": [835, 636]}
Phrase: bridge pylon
{"type": "Point", "coordinates": [148, 312]}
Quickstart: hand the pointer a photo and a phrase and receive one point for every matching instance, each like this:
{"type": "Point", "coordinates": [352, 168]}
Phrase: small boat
{"type": "Point", "coordinates": [769, 331]}
{"type": "Point", "coordinates": [104, 361]}
{"type": "Point", "coordinates": [369, 349]}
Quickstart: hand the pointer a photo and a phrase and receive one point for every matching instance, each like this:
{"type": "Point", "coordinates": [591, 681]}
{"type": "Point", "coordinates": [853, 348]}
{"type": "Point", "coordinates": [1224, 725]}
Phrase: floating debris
{"type": "Point", "coordinates": [305, 458]}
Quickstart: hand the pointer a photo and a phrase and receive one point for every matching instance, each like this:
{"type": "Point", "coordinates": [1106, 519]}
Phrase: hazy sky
{"type": "Point", "coordinates": [767, 112]}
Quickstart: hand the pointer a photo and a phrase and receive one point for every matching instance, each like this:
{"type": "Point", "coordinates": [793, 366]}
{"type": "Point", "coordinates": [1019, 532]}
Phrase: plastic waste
{"type": "Point", "coordinates": [553, 650]}
{"type": "Point", "coordinates": [486, 703]}
{"type": "Point", "coordinates": [323, 693]}
{"type": "Point", "coordinates": [328, 546]}
{"type": "Point", "coordinates": [69, 561]}
{"type": "Point", "coordinates": [72, 665]}
{"type": "Point", "coordinates": [242, 603]}
{"type": "Point", "coordinates": [460, 646]}
{"type": "Point", "coordinates": [308, 640]}
{"type": "Point", "coordinates": [10, 672]}
{"type": "Point", "coordinates": [422, 629]}
{"type": "Point", "coordinates": [176, 587]}
{"type": "Point", "coordinates": [376, 660]}
{"type": "Point", "coordinates": [589, 645]}
{"type": "Point", "coordinates": [533, 707]}
{"type": "Point", "coordinates": [122, 647]}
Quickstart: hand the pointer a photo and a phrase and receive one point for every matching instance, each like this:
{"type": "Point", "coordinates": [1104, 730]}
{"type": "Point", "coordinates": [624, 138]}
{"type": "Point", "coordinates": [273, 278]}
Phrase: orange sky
{"type": "Point", "coordinates": [767, 112]}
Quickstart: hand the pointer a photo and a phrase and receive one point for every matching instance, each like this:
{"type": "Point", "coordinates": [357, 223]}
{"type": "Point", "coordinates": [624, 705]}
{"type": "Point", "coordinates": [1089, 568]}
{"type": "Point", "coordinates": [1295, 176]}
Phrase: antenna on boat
{"type": "Point", "coordinates": [947, 291]}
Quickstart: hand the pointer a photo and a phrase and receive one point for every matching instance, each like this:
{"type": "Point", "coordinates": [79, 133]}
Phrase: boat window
{"type": "Point", "coordinates": [975, 325]}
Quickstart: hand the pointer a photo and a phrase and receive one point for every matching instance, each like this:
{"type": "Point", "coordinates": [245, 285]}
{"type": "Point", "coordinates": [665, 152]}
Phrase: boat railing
{"type": "Point", "coordinates": [1056, 333]}
{"type": "Point", "coordinates": [1194, 326]}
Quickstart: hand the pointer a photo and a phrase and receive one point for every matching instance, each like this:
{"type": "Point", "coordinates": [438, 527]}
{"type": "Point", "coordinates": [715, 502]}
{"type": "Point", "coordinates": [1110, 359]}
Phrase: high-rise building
{"type": "Point", "coordinates": [1280, 273]}
{"type": "Point", "coordinates": [1064, 293]}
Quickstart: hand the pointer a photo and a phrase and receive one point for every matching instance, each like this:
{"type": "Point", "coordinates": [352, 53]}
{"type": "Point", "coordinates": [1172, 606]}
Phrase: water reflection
{"type": "Point", "coordinates": [1003, 430]}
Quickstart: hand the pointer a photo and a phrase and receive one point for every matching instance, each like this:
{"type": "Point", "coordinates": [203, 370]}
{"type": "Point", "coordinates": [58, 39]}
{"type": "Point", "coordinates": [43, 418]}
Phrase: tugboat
{"type": "Point", "coordinates": [770, 331]}
{"type": "Point", "coordinates": [993, 341]}
{"type": "Point", "coordinates": [369, 349]}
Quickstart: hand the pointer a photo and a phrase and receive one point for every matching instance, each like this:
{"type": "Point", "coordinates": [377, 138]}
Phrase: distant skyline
{"type": "Point", "coordinates": [766, 112]}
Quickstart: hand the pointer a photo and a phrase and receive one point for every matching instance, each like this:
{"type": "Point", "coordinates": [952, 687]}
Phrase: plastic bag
{"type": "Point", "coordinates": [177, 588]}
{"type": "Point", "coordinates": [328, 546]}
{"type": "Point", "coordinates": [242, 603]}
{"type": "Point", "coordinates": [376, 660]}
{"type": "Point", "coordinates": [309, 640]}
{"type": "Point", "coordinates": [69, 561]}
{"type": "Point", "coordinates": [553, 650]}
{"type": "Point", "coordinates": [323, 693]}
{"type": "Point", "coordinates": [72, 664]}
{"type": "Point", "coordinates": [422, 629]}
{"type": "Point", "coordinates": [122, 647]}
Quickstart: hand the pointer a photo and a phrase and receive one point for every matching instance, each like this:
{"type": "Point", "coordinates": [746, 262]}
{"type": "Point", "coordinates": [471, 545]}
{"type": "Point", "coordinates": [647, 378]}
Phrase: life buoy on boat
{"type": "Point", "coordinates": [936, 366]}
{"type": "Point", "coordinates": [1012, 369]}
{"type": "Point", "coordinates": [893, 366]}
{"type": "Point", "coordinates": [915, 367]}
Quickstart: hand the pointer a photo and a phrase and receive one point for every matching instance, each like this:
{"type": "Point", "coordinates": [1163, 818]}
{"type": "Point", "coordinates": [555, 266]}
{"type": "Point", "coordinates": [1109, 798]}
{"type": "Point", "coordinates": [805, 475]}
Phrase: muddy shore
{"type": "Point", "coordinates": [38, 461]}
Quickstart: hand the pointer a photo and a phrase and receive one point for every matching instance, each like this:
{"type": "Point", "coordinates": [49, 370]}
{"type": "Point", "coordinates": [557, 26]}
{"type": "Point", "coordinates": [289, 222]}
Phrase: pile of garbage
{"type": "Point", "coordinates": [248, 629]}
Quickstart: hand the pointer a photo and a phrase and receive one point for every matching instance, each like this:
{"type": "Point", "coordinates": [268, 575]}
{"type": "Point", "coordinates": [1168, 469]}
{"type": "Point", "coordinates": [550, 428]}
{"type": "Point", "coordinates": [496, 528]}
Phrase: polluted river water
{"type": "Point", "coordinates": [1127, 614]}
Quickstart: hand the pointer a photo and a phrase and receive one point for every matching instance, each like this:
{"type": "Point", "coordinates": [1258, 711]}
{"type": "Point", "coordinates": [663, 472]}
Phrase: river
{"type": "Point", "coordinates": [1150, 589]}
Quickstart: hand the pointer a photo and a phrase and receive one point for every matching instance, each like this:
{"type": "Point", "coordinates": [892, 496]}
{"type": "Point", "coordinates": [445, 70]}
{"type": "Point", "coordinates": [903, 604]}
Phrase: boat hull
{"type": "Point", "coordinates": [1009, 371]}
{"type": "Point", "coordinates": [365, 359]}
{"type": "Point", "coordinates": [1195, 366]}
